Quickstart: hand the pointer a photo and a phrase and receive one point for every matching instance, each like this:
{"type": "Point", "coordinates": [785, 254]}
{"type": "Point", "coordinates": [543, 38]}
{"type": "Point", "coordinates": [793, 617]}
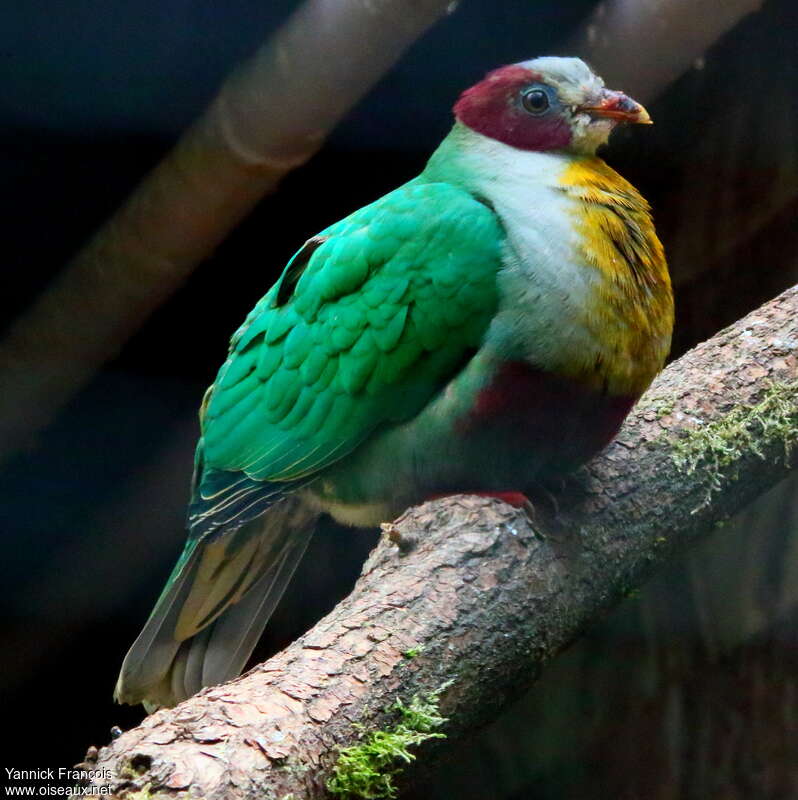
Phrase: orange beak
{"type": "Point", "coordinates": [616, 105]}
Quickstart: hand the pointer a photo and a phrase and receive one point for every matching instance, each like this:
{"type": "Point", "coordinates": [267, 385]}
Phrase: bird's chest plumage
{"type": "Point", "coordinates": [584, 289]}
{"type": "Point", "coordinates": [584, 319]}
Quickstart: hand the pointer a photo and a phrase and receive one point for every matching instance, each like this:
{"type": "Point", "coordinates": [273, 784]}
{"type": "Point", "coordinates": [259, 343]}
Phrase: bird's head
{"type": "Point", "coordinates": [545, 104]}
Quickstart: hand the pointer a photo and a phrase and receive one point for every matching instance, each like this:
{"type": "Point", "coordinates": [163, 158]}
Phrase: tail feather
{"type": "Point", "coordinates": [217, 603]}
{"type": "Point", "coordinates": [237, 632]}
{"type": "Point", "coordinates": [187, 674]}
{"type": "Point", "coordinates": [225, 572]}
{"type": "Point", "coordinates": [156, 644]}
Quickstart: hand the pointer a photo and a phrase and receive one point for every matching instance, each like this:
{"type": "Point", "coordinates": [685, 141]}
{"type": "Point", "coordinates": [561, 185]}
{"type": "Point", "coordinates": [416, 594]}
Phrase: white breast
{"type": "Point", "coordinates": [545, 285]}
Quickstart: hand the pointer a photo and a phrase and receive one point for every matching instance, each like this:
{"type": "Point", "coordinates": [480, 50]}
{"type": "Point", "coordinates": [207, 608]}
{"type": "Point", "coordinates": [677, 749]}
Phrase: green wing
{"type": "Point", "coordinates": [367, 322]}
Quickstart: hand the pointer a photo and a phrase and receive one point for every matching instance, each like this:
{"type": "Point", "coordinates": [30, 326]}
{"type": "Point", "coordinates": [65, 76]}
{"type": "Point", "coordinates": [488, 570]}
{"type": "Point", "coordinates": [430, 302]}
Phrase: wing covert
{"type": "Point", "coordinates": [383, 310]}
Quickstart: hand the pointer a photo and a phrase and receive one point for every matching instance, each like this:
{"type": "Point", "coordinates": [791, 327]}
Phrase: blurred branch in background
{"type": "Point", "coordinates": [644, 45]}
{"type": "Point", "coordinates": [481, 597]}
{"type": "Point", "coordinates": [270, 116]}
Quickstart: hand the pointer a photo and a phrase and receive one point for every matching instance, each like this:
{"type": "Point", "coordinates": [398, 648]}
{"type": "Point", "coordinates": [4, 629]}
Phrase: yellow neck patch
{"type": "Point", "coordinates": [630, 312]}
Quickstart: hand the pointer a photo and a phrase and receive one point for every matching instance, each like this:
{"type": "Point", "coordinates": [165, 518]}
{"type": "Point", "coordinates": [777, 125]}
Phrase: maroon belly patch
{"type": "Point", "coordinates": [561, 419]}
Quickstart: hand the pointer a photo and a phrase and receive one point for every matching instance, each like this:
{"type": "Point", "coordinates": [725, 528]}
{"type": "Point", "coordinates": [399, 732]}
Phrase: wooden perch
{"type": "Point", "coordinates": [459, 618]}
{"type": "Point", "coordinates": [270, 116]}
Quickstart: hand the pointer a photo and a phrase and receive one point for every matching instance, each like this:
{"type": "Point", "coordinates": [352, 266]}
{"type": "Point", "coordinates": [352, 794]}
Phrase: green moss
{"type": "Point", "coordinates": [413, 652]}
{"type": "Point", "coordinates": [662, 408]}
{"type": "Point", "coordinates": [723, 443]}
{"type": "Point", "coordinates": [367, 770]}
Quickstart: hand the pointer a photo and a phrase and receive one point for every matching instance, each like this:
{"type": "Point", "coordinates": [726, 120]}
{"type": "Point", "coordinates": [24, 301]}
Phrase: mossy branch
{"type": "Point", "coordinates": [721, 445]}
{"type": "Point", "coordinates": [485, 598]}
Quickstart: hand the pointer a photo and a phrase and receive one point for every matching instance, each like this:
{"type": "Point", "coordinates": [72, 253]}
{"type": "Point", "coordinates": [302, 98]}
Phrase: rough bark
{"type": "Point", "coordinates": [478, 596]}
{"type": "Point", "coordinates": [269, 117]}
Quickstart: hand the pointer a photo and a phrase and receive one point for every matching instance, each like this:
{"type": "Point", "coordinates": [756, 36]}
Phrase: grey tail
{"type": "Point", "coordinates": [214, 607]}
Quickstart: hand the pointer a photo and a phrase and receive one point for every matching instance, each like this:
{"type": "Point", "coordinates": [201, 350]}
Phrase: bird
{"type": "Point", "coordinates": [486, 325]}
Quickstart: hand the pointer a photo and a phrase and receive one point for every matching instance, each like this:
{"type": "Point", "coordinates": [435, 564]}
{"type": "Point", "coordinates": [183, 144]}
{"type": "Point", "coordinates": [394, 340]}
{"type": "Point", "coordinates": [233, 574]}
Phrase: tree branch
{"type": "Point", "coordinates": [478, 598]}
{"type": "Point", "coordinates": [270, 116]}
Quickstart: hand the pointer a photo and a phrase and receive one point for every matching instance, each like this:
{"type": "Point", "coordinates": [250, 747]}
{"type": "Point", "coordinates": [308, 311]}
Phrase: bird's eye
{"type": "Point", "coordinates": [535, 101]}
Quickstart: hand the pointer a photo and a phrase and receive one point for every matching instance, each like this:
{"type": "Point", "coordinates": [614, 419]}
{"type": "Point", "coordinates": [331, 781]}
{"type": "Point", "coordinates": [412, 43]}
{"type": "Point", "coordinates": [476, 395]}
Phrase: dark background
{"type": "Point", "coordinates": [91, 513]}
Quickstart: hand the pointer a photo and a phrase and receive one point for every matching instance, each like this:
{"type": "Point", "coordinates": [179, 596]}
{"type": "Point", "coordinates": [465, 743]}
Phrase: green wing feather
{"type": "Point", "coordinates": [376, 314]}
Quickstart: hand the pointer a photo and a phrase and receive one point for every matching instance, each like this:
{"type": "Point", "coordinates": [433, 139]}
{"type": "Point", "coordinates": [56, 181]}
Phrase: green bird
{"type": "Point", "coordinates": [486, 325]}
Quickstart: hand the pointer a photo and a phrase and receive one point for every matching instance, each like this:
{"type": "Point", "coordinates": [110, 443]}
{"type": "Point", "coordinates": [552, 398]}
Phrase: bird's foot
{"type": "Point", "coordinates": [515, 499]}
{"type": "Point", "coordinates": [543, 496]}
